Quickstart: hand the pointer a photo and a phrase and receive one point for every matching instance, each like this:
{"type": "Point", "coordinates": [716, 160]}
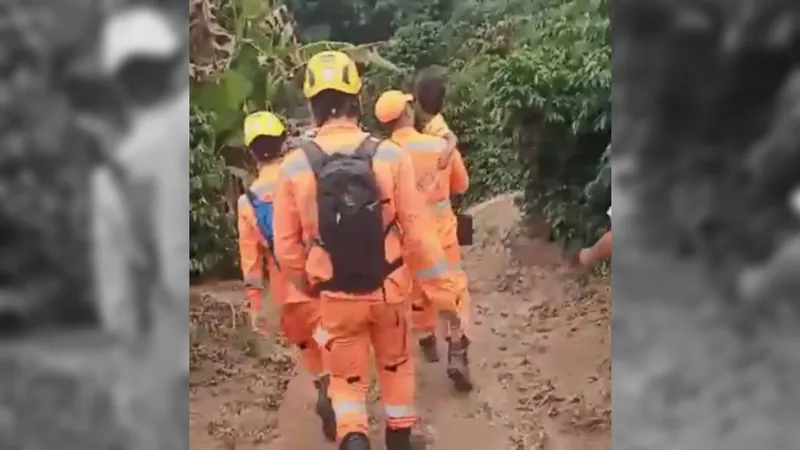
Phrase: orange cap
{"type": "Point", "coordinates": [390, 105]}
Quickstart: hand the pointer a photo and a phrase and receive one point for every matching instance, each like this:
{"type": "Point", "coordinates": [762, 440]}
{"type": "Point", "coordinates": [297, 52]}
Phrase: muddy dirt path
{"type": "Point", "coordinates": [541, 361]}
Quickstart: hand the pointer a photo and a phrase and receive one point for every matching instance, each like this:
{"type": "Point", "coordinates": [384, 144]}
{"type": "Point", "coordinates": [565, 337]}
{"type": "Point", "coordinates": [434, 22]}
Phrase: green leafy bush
{"type": "Point", "coordinates": [246, 56]}
{"type": "Point", "coordinates": [212, 230]}
{"type": "Point", "coordinates": [542, 92]}
{"type": "Point", "coordinates": [529, 96]}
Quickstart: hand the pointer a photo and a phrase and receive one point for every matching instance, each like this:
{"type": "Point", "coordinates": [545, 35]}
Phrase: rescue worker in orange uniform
{"type": "Point", "coordinates": [429, 93]}
{"type": "Point", "coordinates": [349, 227]}
{"type": "Point", "coordinates": [438, 185]}
{"type": "Point", "coordinates": [265, 135]}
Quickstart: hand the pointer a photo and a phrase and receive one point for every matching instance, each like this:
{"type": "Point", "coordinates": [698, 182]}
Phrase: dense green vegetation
{"type": "Point", "coordinates": [529, 93]}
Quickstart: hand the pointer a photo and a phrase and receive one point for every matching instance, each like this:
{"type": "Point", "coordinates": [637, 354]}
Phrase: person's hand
{"type": "Point", "coordinates": [586, 257]}
{"type": "Point", "coordinates": [444, 159]}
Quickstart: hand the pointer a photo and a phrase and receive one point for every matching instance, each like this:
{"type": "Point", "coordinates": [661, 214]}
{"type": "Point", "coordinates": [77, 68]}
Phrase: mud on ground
{"type": "Point", "coordinates": [541, 360]}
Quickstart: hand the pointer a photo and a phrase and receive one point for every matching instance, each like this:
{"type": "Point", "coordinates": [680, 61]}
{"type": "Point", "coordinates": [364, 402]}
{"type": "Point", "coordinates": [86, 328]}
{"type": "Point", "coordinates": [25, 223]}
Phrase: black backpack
{"type": "Point", "coordinates": [350, 218]}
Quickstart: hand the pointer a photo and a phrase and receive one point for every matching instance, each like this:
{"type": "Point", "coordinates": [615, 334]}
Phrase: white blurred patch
{"type": "Point", "coordinates": [154, 151]}
{"type": "Point", "coordinates": [140, 30]}
{"type": "Point", "coordinates": [794, 201]}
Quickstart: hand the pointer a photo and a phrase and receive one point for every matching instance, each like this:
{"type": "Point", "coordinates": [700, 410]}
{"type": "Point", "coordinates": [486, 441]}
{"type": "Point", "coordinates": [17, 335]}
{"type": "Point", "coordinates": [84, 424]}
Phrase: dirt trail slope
{"type": "Point", "coordinates": [541, 358]}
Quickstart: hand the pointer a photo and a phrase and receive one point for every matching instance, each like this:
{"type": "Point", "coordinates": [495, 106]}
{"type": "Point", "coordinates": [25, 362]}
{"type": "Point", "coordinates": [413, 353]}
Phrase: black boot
{"type": "Point", "coordinates": [325, 408]}
{"type": "Point", "coordinates": [458, 364]}
{"type": "Point", "coordinates": [404, 439]}
{"type": "Point", "coordinates": [355, 441]}
{"type": "Point", "coordinates": [398, 439]}
{"type": "Point", "coordinates": [428, 347]}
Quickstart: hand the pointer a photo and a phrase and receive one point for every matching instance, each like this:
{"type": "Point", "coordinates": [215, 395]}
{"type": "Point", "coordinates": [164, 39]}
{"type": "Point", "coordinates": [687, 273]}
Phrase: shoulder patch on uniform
{"type": "Point", "coordinates": [435, 142]}
{"type": "Point", "coordinates": [388, 149]}
{"type": "Point", "coordinates": [388, 145]}
{"type": "Point", "coordinates": [294, 163]}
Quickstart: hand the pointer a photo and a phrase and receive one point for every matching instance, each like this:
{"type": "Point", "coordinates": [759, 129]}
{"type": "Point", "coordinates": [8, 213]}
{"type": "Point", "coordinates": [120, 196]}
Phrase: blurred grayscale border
{"type": "Point", "coordinates": [93, 224]}
{"type": "Point", "coordinates": [706, 333]}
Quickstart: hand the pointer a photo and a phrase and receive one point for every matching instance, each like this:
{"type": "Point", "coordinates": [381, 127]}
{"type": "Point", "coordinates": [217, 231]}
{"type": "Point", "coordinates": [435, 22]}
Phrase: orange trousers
{"type": "Point", "coordinates": [355, 327]}
{"type": "Point", "coordinates": [424, 314]}
{"type": "Point", "coordinates": [301, 324]}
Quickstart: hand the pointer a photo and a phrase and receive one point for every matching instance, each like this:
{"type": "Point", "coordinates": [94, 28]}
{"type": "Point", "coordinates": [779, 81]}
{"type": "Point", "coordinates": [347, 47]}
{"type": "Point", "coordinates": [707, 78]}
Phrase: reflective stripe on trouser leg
{"type": "Point", "coordinates": [348, 359]}
{"type": "Point", "coordinates": [400, 416]}
{"type": "Point", "coordinates": [392, 344]}
{"type": "Point", "coordinates": [351, 417]}
{"type": "Point", "coordinates": [349, 371]}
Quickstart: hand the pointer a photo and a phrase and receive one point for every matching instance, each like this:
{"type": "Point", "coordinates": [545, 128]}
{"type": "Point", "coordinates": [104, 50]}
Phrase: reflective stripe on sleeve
{"type": "Point", "coordinates": [254, 282]}
{"type": "Point", "coordinates": [437, 270]}
{"type": "Point", "coordinates": [263, 189]}
{"type": "Point", "coordinates": [399, 411]}
{"type": "Point", "coordinates": [349, 408]}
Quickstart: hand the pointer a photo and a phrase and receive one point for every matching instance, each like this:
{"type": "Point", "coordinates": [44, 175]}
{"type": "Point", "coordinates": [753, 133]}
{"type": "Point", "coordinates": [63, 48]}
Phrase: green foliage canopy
{"type": "Point", "coordinates": [529, 94]}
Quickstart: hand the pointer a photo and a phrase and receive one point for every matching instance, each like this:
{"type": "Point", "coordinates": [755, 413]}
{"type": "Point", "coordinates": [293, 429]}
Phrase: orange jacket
{"type": "Point", "coordinates": [437, 186]}
{"type": "Point", "coordinates": [296, 222]}
{"type": "Point", "coordinates": [254, 250]}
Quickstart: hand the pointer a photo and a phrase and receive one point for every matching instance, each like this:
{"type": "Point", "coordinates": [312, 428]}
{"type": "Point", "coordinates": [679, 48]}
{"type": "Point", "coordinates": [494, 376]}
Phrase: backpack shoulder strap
{"type": "Point", "coordinates": [368, 147]}
{"type": "Point", "coordinates": [251, 196]}
{"type": "Point", "coordinates": [316, 156]}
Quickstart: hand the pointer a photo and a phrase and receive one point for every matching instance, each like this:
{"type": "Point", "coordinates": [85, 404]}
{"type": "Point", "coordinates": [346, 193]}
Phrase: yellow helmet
{"type": "Point", "coordinates": [331, 70]}
{"type": "Point", "coordinates": [262, 123]}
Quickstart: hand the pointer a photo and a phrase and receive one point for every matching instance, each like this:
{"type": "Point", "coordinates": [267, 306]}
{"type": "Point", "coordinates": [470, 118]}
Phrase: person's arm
{"type": "Point", "coordinates": [442, 129]}
{"type": "Point", "coordinates": [289, 248]}
{"type": "Point", "coordinates": [452, 147]}
{"type": "Point", "coordinates": [600, 251]}
{"type": "Point", "coordinates": [452, 141]}
{"type": "Point", "coordinates": [459, 177]}
{"type": "Point", "coordinates": [422, 251]}
{"type": "Point", "coordinates": [251, 258]}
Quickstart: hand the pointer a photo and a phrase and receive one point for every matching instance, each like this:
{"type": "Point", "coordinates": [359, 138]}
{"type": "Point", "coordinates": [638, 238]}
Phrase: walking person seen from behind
{"type": "Point", "coordinates": [437, 185]}
{"type": "Point", "coordinates": [264, 136]}
{"type": "Point", "coordinates": [340, 204]}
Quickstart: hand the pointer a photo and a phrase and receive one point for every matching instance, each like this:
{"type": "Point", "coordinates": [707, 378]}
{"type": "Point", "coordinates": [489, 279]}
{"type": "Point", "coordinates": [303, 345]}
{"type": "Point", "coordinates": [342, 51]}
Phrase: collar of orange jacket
{"type": "Point", "coordinates": [268, 169]}
{"type": "Point", "coordinates": [405, 133]}
{"type": "Point", "coordinates": [338, 126]}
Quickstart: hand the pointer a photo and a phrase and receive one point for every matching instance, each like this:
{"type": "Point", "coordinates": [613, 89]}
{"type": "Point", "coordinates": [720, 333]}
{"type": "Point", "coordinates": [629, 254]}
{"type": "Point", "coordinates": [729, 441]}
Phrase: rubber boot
{"type": "Point", "coordinates": [325, 408]}
{"type": "Point", "coordinates": [428, 346]}
{"type": "Point", "coordinates": [404, 439]}
{"type": "Point", "coordinates": [458, 364]}
{"type": "Point", "coordinates": [398, 439]}
{"type": "Point", "coordinates": [355, 441]}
